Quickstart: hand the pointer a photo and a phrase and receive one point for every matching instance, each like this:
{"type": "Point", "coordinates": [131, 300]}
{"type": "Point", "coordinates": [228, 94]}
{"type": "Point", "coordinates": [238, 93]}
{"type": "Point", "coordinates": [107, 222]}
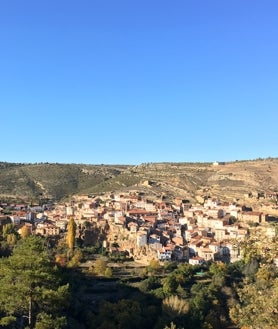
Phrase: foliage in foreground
{"type": "Point", "coordinates": [34, 293]}
{"type": "Point", "coordinates": [31, 287]}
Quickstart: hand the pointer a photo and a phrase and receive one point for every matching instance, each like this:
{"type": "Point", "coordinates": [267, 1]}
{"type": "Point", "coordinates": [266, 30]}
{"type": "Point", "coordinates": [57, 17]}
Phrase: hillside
{"type": "Point", "coordinates": [54, 181]}
{"type": "Point", "coordinates": [57, 181]}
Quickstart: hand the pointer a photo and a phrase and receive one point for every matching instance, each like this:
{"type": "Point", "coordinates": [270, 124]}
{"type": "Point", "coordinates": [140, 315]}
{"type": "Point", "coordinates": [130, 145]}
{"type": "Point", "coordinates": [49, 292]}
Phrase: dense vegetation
{"type": "Point", "coordinates": [44, 287]}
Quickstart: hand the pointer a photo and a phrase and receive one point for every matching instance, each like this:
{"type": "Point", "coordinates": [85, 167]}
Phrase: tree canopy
{"type": "Point", "coordinates": [30, 285]}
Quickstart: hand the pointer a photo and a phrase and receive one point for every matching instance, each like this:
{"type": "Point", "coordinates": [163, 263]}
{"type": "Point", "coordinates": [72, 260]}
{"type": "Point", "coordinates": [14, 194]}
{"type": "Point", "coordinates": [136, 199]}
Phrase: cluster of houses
{"type": "Point", "coordinates": [169, 230]}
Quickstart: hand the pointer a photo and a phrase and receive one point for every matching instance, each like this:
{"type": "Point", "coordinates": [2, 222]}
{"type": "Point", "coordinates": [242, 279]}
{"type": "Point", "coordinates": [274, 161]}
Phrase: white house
{"type": "Point", "coordinates": [164, 254]}
{"type": "Point", "coordinates": [196, 260]}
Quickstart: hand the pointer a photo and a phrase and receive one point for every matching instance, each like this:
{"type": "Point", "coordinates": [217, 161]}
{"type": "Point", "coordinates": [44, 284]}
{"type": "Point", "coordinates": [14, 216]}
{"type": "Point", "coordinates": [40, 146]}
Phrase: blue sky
{"type": "Point", "coordinates": [104, 81]}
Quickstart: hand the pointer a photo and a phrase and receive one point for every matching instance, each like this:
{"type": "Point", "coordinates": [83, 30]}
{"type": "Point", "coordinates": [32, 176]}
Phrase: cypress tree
{"type": "Point", "coordinates": [71, 234]}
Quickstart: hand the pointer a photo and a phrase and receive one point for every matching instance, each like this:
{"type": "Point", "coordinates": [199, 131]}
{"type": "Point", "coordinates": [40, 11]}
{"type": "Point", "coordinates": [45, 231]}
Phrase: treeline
{"type": "Point", "coordinates": [41, 288]}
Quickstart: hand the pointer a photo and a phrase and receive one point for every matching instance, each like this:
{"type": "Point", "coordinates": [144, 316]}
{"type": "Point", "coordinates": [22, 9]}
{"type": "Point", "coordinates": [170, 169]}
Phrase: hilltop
{"type": "Point", "coordinates": [169, 180]}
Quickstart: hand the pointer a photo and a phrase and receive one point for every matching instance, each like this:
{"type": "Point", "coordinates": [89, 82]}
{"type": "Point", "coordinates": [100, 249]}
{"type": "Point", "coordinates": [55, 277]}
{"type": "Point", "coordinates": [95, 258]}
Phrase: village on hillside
{"type": "Point", "coordinates": [144, 229]}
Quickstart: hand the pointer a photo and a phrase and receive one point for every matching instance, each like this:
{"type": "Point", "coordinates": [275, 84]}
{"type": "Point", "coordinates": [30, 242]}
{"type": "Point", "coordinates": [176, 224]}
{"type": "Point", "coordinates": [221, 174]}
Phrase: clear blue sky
{"type": "Point", "coordinates": [105, 81]}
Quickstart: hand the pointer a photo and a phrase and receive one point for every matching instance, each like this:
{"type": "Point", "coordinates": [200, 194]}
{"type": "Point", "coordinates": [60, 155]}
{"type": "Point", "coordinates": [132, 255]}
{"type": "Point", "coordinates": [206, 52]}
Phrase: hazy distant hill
{"type": "Point", "coordinates": [231, 179]}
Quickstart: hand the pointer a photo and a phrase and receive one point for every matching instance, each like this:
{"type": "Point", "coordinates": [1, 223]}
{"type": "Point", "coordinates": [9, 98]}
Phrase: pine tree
{"type": "Point", "coordinates": [29, 284]}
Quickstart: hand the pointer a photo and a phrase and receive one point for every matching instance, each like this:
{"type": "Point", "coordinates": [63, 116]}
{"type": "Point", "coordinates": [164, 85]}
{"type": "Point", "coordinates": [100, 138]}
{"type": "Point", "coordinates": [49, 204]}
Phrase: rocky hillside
{"type": "Point", "coordinates": [186, 180]}
{"type": "Point", "coordinates": [230, 180]}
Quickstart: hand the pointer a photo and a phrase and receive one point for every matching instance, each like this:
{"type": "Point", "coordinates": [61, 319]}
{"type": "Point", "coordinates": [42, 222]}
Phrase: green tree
{"type": "Point", "coordinates": [126, 313]}
{"type": "Point", "coordinates": [200, 302]}
{"type": "Point", "coordinates": [76, 258]}
{"type": "Point", "coordinates": [181, 292]}
{"type": "Point", "coordinates": [108, 272]}
{"type": "Point", "coordinates": [218, 268]}
{"type": "Point", "coordinates": [8, 229]}
{"type": "Point", "coordinates": [12, 239]}
{"type": "Point", "coordinates": [100, 266]}
{"type": "Point", "coordinates": [30, 284]}
{"type": "Point", "coordinates": [257, 304]}
{"type": "Point", "coordinates": [46, 321]}
{"type": "Point", "coordinates": [170, 284]}
{"type": "Point", "coordinates": [218, 272]}
{"type": "Point", "coordinates": [153, 266]}
{"type": "Point", "coordinates": [10, 234]}
{"type": "Point", "coordinates": [149, 284]}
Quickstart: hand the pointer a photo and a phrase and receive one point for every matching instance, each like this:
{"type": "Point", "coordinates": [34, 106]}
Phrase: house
{"type": "Point", "coordinates": [133, 227]}
{"type": "Point", "coordinates": [137, 213]}
{"type": "Point", "coordinates": [162, 224]}
{"type": "Point", "coordinates": [120, 220]}
{"type": "Point", "coordinates": [147, 228]}
{"type": "Point", "coordinates": [177, 230]}
{"type": "Point", "coordinates": [234, 213]}
{"type": "Point", "coordinates": [190, 234]}
{"type": "Point", "coordinates": [181, 253]}
{"type": "Point", "coordinates": [214, 247]}
{"type": "Point", "coordinates": [233, 232]}
{"type": "Point", "coordinates": [150, 207]}
{"type": "Point", "coordinates": [189, 213]}
{"type": "Point", "coordinates": [216, 213]}
{"type": "Point", "coordinates": [141, 239]}
{"type": "Point", "coordinates": [203, 220]}
{"type": "Point", "coordinates": [206, 253]}
{"type": "Point", "coordinates": [251, 216]}
{"type": "Point", "coordinates": [62, 224]}
{"type": "Point", "coordinates": [151, 220]}
{"type": "Point", "coordinates": [19, 206]}
{"type": "Point", "coordinates": [69, 211]}
{"type": "Point", "coordinates": [224, 250]}
{"type": "Point", "coordinates": [217, 223]}
{"type": "Point", "coordinates": [234, 251]}
{"type": "Point", "coordinates": [193, 246]}
{"type": "Point", "coordinates": [197, 260]}
{"type": "Point", "coordinates": [89, 213]}
{"type": "Point", "coordinates": [15, 220]}
{"type": "Point", "coordinates": [30, 216]}
{"type": "Point", "coordinates": [165, 253]}
{"type": "Point", "coordinates": [178, 241]}
{"type": "Point", "coordinates": [219, 234]}
{"type": "Point", "coordinates": [183, 220]}
{"type": "Point", "coordinates": [154, 238]}
{"type": "Point", "coordinates": [165, 237]}
{"type": "Point", "coordinates": [47, 229]}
